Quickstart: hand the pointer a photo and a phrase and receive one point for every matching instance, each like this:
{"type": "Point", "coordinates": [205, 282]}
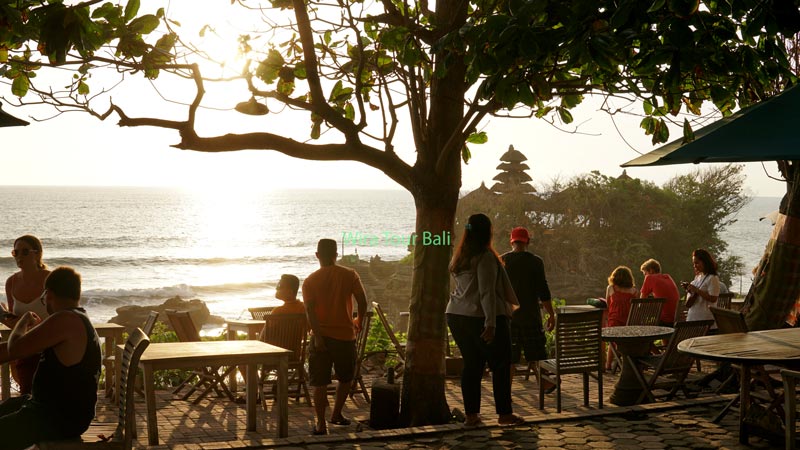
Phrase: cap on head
{"type": "Point", "coordinates": [520, 234]}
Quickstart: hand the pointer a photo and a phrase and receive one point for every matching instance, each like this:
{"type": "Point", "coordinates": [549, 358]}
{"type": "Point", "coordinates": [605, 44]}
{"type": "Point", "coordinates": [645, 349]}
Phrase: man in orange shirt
{"type": "Point", "coordinates": [328, 294]}
{"type": "Point", "coordinates": [286, 290]}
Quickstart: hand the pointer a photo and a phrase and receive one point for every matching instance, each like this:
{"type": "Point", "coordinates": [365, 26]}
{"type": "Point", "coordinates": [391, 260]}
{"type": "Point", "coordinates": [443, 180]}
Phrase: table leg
{"type": "Point", "coordinates": [118, 373]}
{"type": "Point", "coordinates": [744, 403]}
{"type": "Point", "coordinates": [150, 402]}
{"type": "Point", "coordinates": [108, 349]}
{"type": "Point", "coordinates": [283, 397]}
{"type": "Point", "coordinates": [628, 389]}
{"type": "Point", "coordinates": [5, 381]}
{"type": "Point", "coordinates": [232, 383]}
{"type": "Point", "coordinates": [252, 398]}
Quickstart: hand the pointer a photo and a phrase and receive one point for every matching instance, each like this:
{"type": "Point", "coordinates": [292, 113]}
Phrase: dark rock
{"type": "Point", "coordinates": [133, 316]}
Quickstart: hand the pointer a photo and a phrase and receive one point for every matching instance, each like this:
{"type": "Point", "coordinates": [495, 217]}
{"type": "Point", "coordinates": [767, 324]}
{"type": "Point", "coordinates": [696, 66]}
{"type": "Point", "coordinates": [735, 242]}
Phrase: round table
{"type": "Point", "coordinates": [631, 341]}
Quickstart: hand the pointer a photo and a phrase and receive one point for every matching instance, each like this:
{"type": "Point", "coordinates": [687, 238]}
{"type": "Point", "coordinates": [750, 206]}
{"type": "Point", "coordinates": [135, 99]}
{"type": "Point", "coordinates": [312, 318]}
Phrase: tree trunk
{"type": "Point", "coordinates": [423, 400]}
{"type": "Point", "coordinates": [776, 284]}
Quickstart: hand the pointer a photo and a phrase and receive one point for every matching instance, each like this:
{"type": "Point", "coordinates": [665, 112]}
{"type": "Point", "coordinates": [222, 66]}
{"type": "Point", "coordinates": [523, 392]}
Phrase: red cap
{"type": "Point", "coordinates": [520, 234]}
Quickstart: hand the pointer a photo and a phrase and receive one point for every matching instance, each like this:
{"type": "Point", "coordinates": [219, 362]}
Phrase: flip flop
{"type": "Point", "coordinates": [340, 421]}
{"type": "Point", "coordinates": [476, 424]}
{"type": "Point", "coordinates": [517, 421]}
{"type": "Point", "coordinates": [317, 432]}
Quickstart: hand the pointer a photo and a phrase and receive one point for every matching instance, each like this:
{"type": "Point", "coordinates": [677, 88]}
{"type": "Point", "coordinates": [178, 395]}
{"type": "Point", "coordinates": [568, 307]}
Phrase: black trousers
{"type": "Point", "coordinates": [476, 353]}
{"type": "Point", "coordinates": [24, 422]}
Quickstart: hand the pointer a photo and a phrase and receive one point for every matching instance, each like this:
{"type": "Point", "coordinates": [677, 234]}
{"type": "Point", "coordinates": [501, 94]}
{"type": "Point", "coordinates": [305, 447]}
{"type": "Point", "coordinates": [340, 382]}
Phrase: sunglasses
{"type": "Point", "coordinates": [23, 252]}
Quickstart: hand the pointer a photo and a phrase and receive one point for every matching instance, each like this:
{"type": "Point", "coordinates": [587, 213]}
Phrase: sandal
{"type": "Point", "coordinates": [515, 420]}
{"type": "Point", "coordinates": [317, 432]}
{"type": "Point", "coordinates": [340, 421]}
{"type": "Point", "coordinates": [474, 424]}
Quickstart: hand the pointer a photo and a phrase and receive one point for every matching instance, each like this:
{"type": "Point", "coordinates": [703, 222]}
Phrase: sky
{"type": "Point", "coordinates": [76, 149]}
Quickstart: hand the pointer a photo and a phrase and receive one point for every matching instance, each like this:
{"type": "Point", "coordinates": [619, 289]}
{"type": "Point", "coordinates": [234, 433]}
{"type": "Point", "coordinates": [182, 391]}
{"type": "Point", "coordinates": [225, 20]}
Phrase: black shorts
{"type": "Point", "coordinates": [530, 340]}
{"type": "Point", "coordinates": [340, 355]}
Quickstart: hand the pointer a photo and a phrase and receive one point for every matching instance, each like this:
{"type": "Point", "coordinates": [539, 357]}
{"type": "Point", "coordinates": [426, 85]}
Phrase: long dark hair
{"type": "Point", "coordinates": [709, 265]}
{"type": "Point", "coordinates": [477, 238]}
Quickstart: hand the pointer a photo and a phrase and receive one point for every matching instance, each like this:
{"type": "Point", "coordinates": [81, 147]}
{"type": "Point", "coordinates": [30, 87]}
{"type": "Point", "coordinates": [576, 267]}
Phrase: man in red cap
{"type": "Point", "coordinates": [526, 272]}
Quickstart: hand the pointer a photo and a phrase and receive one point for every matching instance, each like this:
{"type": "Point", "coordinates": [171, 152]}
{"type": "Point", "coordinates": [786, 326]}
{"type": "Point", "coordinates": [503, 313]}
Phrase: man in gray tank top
{"type": "Point", "coordinates": [61, 404]}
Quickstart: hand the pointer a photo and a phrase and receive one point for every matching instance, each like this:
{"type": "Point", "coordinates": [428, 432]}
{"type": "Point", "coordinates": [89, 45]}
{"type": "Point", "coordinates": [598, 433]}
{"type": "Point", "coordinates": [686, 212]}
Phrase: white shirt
{"type": "Point", "coordinates": [699, 310]}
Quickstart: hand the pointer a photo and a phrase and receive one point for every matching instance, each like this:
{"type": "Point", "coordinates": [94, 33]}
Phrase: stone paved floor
{"type": "Point", "coordinates": [681, 424]}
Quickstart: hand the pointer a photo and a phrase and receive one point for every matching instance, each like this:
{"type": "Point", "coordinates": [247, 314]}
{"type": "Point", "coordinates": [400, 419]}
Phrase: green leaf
{"type": "Point", "coordinates": [466, 155]}
{"type": "Point", "coordinates": [566, 116]}
{"type": "Point", "coordinates": [20, 86]}
{"type": "Point", "coordinates": [688, 134]}
{"type": "Point", "coordinates": [648, 107]}
{"type": "Point", "coordinates": [657, 4]}
{"type": "Point", "coordinates": [145, 24]}
{"type": "Point", "coordinates": [316, 129]}
{"type": "Point", "coordinates": [131, 9]}
{"type": "Point", "coordinates": [83, 88]}
{"type": "Point", "coordinates": [349, 111]}
{"type": "Point", "coordinates": [478, 138]}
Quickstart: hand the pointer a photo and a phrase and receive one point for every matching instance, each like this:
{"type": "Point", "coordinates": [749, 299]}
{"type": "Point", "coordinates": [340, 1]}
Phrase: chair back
{"type": "Point", "coordinates": [183, 325]}
{"type": "Point", "coordinates": [681, 311]}
{"type": "Point", "coordinates": [729, 321]}
{"type": "Point", "coordinates": [388, 327]}
{"type": "Point", "coordinates": [578, 341]}
{"type": "Point", "coordinates": [675, 361]}
{"type": "Point", "coordinates": [724, 300]}
{"type": "Point", "coordinates": [261, 312]}
{"type": "Point", "coordinates": [134, 347]}
{"type": "Point", "coordinates": [645, 311]}
{"type": "Point", "coordinates": [287, 331]}
{"type": "Point", "coordinates": [150, 323]}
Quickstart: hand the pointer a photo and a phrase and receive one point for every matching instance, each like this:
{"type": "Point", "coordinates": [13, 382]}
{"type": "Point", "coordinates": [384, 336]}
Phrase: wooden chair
{"type": "Point", "coordinates": [357, 386]}
{"type": "Point", "coordinates": [671, 362]}
{"type": "Point", "coordinates": [645, 311]}
{"type": "Point", "coordinates": [730, 321]}
{"type": "Point", "coordinates": [208, 378]}
{"type": "Point", "coordinates": [261, 312]}
{"type": "Point", "coordinates": [398, 347]}
{"type": "Point", "coordinates": [125, 431]}
{"type": "Point", "coordinates": [288, 331]}
{"type": "Point", "coordinates": [790, 378]}
{"type": "Point", "coordinates": [150, 323]}
{"type": "Point", "coordinates": [579, 349]}
{"type": "Point", "coordinates": [724, 300]}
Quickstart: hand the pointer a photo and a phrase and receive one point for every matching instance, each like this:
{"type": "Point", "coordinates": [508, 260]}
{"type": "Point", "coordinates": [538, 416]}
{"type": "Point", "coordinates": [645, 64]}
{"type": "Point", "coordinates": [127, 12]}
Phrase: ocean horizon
{"type": "Point", "coordinates": [142, 245]}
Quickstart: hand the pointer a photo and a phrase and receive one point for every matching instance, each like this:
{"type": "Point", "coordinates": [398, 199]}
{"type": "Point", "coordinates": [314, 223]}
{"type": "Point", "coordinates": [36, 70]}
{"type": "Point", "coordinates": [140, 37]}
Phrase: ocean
{"type": "Point", "coordinates": [143, 245]}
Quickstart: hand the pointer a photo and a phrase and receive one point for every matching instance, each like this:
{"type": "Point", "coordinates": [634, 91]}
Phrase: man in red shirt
{"type": "Point", "coordinates": [328, 294]}
{"type": "Point", "coordinates": [660, 285]}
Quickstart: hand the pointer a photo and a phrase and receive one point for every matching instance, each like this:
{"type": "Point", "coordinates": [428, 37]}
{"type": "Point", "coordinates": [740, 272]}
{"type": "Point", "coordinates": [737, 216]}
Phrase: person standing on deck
{"type": "Point", "coordinates": [328, 295]}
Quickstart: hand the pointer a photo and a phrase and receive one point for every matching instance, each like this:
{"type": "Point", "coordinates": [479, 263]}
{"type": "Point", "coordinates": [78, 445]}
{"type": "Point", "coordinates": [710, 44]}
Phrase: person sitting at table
{"type": "Point", "coordinates": [62, 401]}
{"type": "Point", "coordinates": [24, 291]}
{"type": "Point", "coordinates": [621, 289]}
{"type": "Point", "coordinates": [660, 285]}
{"type": "Point", "coordinates": [703, 291]}
{"type": "Point", "coordinates": [286, 290]}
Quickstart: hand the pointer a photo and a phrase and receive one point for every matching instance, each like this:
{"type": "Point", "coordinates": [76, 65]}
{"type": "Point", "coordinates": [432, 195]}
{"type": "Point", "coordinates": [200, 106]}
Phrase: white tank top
{"type": "Point", "coordinates": [36, 306]}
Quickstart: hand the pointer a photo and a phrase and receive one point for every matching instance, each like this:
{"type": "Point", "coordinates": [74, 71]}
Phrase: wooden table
{"type": "Point", "coordinates": [631, 341]}
{"type": "Point", "coordinates": [777, 347]}
{"type": "Point", "coordinates": [190, 355]}
{"type": "Point", "coordinates": [112, 336]}
{"type": "Point", "coordinates": [253, 328]}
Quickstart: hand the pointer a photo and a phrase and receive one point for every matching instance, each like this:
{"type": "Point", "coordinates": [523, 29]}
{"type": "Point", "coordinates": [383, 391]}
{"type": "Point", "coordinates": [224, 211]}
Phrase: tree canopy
{"type": "Point", "coordinates": [362, 74]}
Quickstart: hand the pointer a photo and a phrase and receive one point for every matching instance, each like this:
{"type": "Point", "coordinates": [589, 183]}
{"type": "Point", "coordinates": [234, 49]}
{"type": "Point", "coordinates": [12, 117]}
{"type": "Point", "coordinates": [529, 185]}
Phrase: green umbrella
{"type": "Point", "coordinates": [766, 131]}
{"type": "Point", "coordinates": [7, 120]}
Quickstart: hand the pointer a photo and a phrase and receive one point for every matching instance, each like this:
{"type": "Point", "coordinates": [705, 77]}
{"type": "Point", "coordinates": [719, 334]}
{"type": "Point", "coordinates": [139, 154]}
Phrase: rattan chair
{"type": "Point", "coordinates": [579, 349]}
{"type": "Point", "coordinates": [260, 312]}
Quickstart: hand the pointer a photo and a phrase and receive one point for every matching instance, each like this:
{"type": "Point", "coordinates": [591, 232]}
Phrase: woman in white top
{"type": "Point", "coordinates": [704, 289]}
{"type": "Point", "coordinates": [25, 292]}
{"type": "Point", "coordinates": [479, 321]}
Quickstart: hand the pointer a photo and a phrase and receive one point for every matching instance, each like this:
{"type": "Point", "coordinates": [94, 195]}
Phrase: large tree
{"type": "Point", "coordinates": [364, 73]}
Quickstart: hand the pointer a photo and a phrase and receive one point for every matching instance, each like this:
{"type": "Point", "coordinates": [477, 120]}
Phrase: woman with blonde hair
{"type": "Point", "coordinates": [621, 289]}
{"type": "Point", "coordinates": [25, 292]}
